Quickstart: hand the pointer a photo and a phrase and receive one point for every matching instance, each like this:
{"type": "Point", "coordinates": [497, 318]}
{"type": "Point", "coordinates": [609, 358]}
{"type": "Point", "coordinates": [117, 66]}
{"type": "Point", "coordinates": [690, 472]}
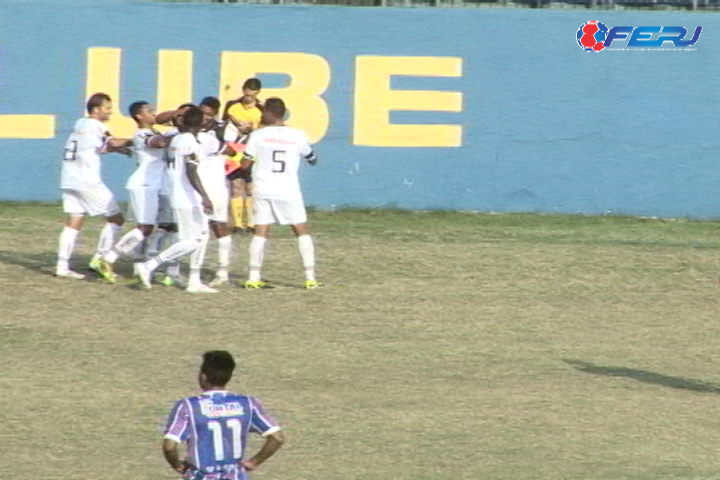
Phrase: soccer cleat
{"type": "Point", "coordinates": [69, 274]}
{"type": "Point", "coordinates": [220, 279]}
{"type": "Point", "coordinates": [255, 285]}
{"type": "Point", "coordinates": [312, 284]}
{"type": "Point", "coordinates": [200, 288]}
{"type": "Point", "coordinates": [94, 265]}
{"type": "Point", "coordinates": [105, 270]}
{"type": "Point", "coordinates": [171, 280]}
{"type": "Point", "coordinates": [143, 275]}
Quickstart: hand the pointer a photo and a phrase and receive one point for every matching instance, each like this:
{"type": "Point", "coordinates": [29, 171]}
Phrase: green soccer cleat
{"type": "Point", "coordinates": [94, 265]}
{"type": "Point", "coordinates": [255, 285]}
{"type": "Point", "coordinates": [312, 284]}
{"type": "Point", "coordinates": [105, 270]}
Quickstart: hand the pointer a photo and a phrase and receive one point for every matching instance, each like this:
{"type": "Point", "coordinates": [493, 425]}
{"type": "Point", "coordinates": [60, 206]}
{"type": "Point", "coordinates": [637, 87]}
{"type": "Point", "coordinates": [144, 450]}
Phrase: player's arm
{"type": "Point", "coordinates": [272, 444]}
{"type": "Point", "coordinates": [176, 432]}
{"type": "Point", "coordinates": [158, 141]}
{"type": "Point", "coordinates": [311, 158]}
{"type": "Point", "coordinates": [171, 452]}
{"type": "Point", "coordinates": [307, 152]}
{"type": "Point", "coordinates": [163, 118]}
{"type": "Point", "coordinates": [191, 168]}
{"type": "Point", "coordinates": [119, 145]}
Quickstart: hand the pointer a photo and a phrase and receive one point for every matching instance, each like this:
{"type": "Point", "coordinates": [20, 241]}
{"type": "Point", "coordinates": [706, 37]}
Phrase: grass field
{"type": "Point", "coordinates": [445, 346]}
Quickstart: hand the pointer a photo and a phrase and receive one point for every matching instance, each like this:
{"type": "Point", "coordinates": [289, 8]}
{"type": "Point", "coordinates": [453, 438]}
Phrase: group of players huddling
{"type": "Point", "coordinates": [180, 186]}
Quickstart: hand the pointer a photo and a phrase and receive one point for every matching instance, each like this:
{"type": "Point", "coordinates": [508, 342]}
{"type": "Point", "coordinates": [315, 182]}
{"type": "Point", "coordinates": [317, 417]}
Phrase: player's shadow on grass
{"type": "Point", "coordinates": [38, 262]}
{"type": "Point", "coordinates": [645, 376]}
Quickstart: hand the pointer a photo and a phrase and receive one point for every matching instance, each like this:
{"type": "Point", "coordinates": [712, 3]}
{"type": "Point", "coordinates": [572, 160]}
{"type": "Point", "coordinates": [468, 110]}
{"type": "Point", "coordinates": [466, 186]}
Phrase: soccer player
{"type": "Point", "coordinates": [144, 187]}
{"type": "Point", "coordinates": [214, 425]}
{"type": "Point", "coordinates": [274, 153]}
{"type": "Point", "coordinates": [212, 174]}
{"type": "Point", "coordinates": [246, 114]}
{"type": "Point", "coordinates": [190, 202]}
{"type": "Point", "coordinates": [83, 191]}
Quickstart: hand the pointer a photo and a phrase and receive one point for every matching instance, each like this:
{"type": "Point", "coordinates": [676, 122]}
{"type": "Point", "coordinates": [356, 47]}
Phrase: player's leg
{"type": "Point", "coordinates": [236, 204]}
{"type": "Point", "coordinates": [249, 222]}
{"type": "Point", "coordinates": [66, 244]}
{"type": "Point", "coordinates": [166, 226]}
{"type": "Point", "coordinates": [264, 217]}
{"type": "Point", "coordinates": [219, 226]}
{"type": "Point", "coordinates": [294, 213]}
{"type": "Point", "coordinates": [186, 244]}
{"type": "Point", "coordinates": [198, 229]}
{"type": "Point", "coordinates": [144, 203]}
{"type": "Point", "coordinates": [100, 201]}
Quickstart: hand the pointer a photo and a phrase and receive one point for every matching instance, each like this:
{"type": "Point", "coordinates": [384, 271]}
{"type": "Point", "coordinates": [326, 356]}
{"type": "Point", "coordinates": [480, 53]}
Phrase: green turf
{"type": "Point", "coordinates": [445, 346]}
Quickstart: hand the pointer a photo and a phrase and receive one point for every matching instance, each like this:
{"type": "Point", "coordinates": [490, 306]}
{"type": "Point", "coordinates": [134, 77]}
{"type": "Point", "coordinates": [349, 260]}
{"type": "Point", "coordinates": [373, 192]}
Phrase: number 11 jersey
{"type": "Point", "coordinates": [215, 426]}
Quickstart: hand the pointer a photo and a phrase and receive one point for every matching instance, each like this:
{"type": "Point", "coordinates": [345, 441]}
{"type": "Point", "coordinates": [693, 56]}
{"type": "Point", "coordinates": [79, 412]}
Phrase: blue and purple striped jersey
{"type": "Point", "coordinates": [215, 426]}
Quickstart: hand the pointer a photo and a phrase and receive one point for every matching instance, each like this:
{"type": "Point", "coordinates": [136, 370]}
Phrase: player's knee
{"type": "Point", "coordinates": [118, 219]}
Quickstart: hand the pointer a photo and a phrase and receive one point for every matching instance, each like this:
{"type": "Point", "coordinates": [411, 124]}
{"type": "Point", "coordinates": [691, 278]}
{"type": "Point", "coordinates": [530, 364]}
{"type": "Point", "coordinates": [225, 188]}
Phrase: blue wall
{"type": "Point", "coordinates": [546, 126]}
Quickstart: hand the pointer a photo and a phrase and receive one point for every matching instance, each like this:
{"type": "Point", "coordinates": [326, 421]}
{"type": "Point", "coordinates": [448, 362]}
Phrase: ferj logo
{"type": "Point", "coordinates": [594, 36]}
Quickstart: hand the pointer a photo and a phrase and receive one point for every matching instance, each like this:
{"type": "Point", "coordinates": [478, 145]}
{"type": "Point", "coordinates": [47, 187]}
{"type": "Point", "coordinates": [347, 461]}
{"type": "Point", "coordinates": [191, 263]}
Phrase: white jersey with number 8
{"type": "Point", "coordinates": [81, 160]}
{"type": "Point", "coordinates": [277, 152]}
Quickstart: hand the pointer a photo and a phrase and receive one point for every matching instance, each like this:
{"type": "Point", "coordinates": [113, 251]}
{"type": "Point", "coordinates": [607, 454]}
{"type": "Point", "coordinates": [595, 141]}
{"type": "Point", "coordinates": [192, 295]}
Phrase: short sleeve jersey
{"type": "Point", "coordinates": [150, 166]}
{"type": "Point", "coordinates": [183, 149]}
{"type": "Point", "coordinates": [215, 427]}
{"type": "Point", "coordinates": [277, 152]}
{"type": "Point", "coordinates": [81, 161]}
{"type": "Point", "coordinates": [212, 167]}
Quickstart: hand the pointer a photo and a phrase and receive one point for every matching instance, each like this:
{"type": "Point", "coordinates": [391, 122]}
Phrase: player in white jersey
{"type": "Point", "coordinates": [83, 191]}
{"type": "Point", "coordinates": [274, 153]}
{"type": "Point", "coordinates": [144, 188]}
{"type": "Point", "coordinates": [190, 202]}
{"type": "Point", "coordinates": [212, 173]}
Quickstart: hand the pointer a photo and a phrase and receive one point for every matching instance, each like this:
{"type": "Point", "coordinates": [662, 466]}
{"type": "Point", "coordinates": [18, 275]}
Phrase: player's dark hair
{"type": "Point", "coordinates": [252, 84]}
{"type": "Point", "coordinates": [134, 108]}
{"type": "Point", "coordinates": [211, 102]}
{"type": "Point", "coordinates": [96, 100]}
{"type": "Point", "coordinates": [218, 366]}
{"type": "Point", "coordinates": [276, 107]}
{"type": "Point", "coordinates": [192, 117]}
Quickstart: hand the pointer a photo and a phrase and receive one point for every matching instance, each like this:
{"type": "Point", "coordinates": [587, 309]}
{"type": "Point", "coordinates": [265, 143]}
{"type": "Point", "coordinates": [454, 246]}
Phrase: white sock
{"type": "Point", "coordinates": [127, 243]}
{"type": "Point", "coordinates": [173, 252]}
{"type": "Point", "coordinates": [257, 251]}
{"type": "Point", "coordinates": [173, 268]}
{"type": "Point", "coordinates": [138, 253]}
{"type": "Point", "coordinates": [196, 260]}
{"type": "Point", "coordinates": [155, 241]}
{"type": "Point", "coordinates": [65, 248]}
{"type": "Point", "coordinates": [307, 252]}
{"type": "Point", "coordinates": [107, 238]}
{"type": "Point", "coordinates": [224, 249]}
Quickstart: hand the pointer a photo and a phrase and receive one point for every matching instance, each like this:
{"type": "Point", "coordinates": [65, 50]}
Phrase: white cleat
{"type": "Point", "coordinates": [69, 274]}
{"type": "Point", "coordinates": [200, 288]}
{"type": "Point", "coordinates": [143, 275]}
{"type": "Point", "coordinates": [220, 280]}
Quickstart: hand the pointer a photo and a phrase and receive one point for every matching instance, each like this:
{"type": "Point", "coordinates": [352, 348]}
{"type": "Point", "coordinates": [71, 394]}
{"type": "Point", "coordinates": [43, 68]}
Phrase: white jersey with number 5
{"type": "Point", "coordinates": [81, 162]}
{"type": "Point", "coordinates": [277, 152]}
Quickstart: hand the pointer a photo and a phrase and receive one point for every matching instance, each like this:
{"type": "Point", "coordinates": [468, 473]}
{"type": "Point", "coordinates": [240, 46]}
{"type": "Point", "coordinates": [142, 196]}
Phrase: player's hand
{"type": "Point", "coordinates": [249, 465]}
{"type": "Point", "coordinates": [182, 468]}
{"type": "Point", "coordinates": [207, 206]}
{"type": "Point", "coordinates": [245, 127]}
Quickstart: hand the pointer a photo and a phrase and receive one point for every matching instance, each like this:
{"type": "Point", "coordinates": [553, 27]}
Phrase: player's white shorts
{"type": "Point", "coordinates": [95, 200]}
{"type": "Point", "coordinates": [191, 222]}
{"type": "Point", "coordinates": [145, 204]}
{"type": "Point", "coordinates": [165, 211]}
{"type": "Point", "coordinates": [220, 197]}
{"type": "Point", "coordinates": [284, 212]}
